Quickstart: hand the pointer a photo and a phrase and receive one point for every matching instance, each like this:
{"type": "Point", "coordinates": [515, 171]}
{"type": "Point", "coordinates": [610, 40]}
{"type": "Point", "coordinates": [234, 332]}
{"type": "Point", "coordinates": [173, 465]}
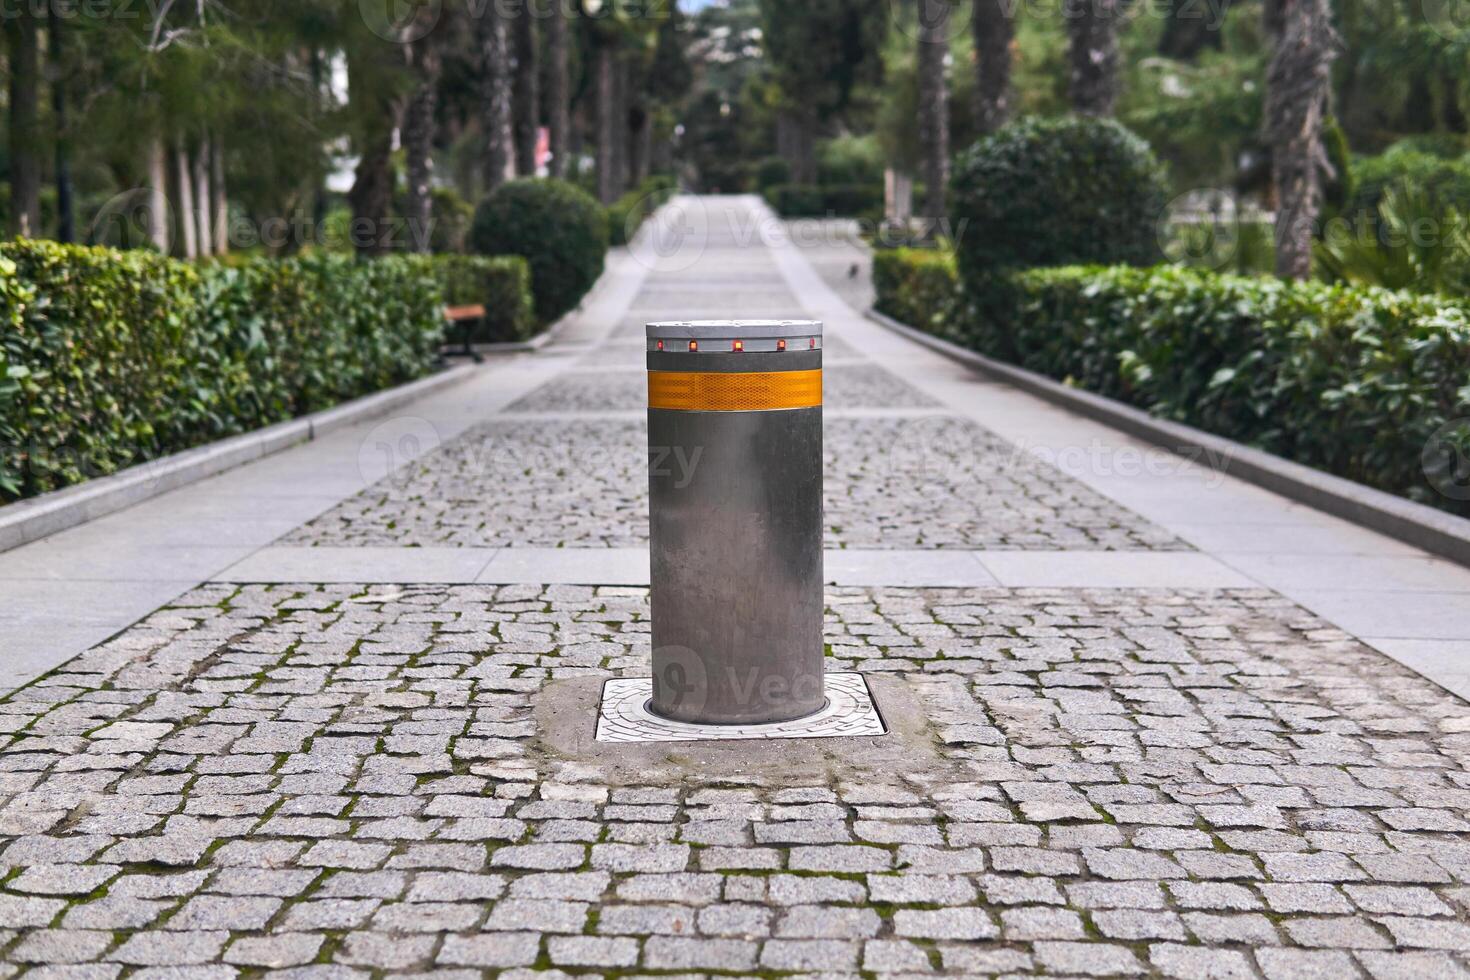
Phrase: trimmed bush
{"type": "Point", "coordinates": [502, 284]}
{"type": "Point", "coordinates": [917, 287]}
{"type": "Point", "coordinates": [627, 214]}
{"type": "Point", "coordinates": [823, 201]}
{"type": "Point", "coordinates": [1055, 192]}
{"type": "Point", "coordinates": [112, 358]}
{"type": "Point", "coordinates": [1352, 380]}
{"type": "Point", "coordinates": [560, 230]}
{"type": "Point", "coordinates": [1446, 182]}
{"type": "Point", "coordinates": [770, 172]}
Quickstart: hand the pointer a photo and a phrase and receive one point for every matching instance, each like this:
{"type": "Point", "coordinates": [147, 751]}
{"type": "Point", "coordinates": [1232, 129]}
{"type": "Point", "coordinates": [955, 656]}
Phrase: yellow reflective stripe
{"type": "Point", "coordinates": [692, 391]}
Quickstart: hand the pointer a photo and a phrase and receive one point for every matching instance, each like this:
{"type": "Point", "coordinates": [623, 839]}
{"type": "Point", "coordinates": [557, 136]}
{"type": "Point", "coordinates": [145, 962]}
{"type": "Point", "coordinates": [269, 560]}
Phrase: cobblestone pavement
{"type": "Point", "coordinates": [346, 781]}
{"type": "Point", "coordinates": [891, 483]}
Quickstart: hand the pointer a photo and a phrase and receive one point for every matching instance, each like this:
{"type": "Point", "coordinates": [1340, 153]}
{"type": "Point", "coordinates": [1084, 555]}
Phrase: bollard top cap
{"type": "Point", "coordinates": [733, 329]}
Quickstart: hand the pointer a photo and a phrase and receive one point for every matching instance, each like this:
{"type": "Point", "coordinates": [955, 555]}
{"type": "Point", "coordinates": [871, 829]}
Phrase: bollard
{"type": "Point", "coordinates": [735, 520]}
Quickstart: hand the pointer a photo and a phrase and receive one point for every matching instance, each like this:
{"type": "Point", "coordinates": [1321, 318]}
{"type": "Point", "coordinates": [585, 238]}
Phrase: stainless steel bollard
{"type": "Point", "coordinates": [735, 519]}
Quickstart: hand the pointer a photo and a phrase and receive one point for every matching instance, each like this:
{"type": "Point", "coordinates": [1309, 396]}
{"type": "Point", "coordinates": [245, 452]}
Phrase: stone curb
{"type": "Point", "coordinates": [1415, 524]}
{"type": "Point", "coordinates": [30, 520]}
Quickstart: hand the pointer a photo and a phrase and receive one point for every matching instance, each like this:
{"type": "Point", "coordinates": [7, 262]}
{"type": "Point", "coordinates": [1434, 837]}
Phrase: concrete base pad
{"type": "Point", "coordinates": [566, 714]}
{"type": "Point", "coordinates": [625, 716]}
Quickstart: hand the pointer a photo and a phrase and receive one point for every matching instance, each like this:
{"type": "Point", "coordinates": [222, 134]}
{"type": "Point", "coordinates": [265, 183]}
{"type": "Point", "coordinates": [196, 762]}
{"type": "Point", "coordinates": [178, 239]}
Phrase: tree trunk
{"type": "Point", "coordinates": [994, 33]}
{"type": "Point", "coordinates": [371, 197]}
{"type": "Point", "coordinates": [607, 128]}
{"type": "Point", "coordinates": [495, 86]}
{"type": "Point", "coordinates": [527, 98]}
{"type": "Point", "coordinates": [620, 124]}
{"type": "Point", "coordinates": [796, 142]}
{"type": "Point", "coordinates": [184, 181]}
{"type": "Point", "coordinates": [66, 220]}
{"type": "Point", "coordinates": [220, 203]}
{"type": "Point", "coordinates": [1191, 27]}
{"type": "Point", "coordinates": [1092, 55]}
{"type": "Point", "coordinates": [203, 204]}
{"type": "Point", "coordinates": [156, 219]}
{"type": "Point", "coordinates": [25, 132]}
{"type": "Point", "coordinates": [558, 90]}
{"type": "Point", "coordinates": [640, 143]}
{"type": "Point", "coordinates": [933, 106]}
{"type": "Point", "coordinates": [418, 145]}
{"type": "Point", "coordinates": [1298, 84]}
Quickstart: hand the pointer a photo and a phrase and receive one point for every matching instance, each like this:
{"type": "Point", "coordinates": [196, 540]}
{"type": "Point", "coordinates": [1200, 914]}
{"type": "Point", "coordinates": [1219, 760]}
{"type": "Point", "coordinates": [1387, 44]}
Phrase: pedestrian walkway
{"type": "Point", "coordinates": [1142, 716]}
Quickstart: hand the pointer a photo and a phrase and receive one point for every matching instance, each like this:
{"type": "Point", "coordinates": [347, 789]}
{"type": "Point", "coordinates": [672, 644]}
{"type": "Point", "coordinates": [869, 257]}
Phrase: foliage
{"type": "Point", "coordinates": [112, 358]}
{"type": "Point", "coordinates": [823, 51]}
{"type": "Point", "coordinates": [501, 284]}
{"type": "Point", "coordinates": [771, 171]}
{"type": "Point", "coordinates": [1444, 180]}
{"type": "Point", "coordinates": [627, 214]}
{"type": "Point", "coordinates": [1055, 191]}
{"type": "Point", "coordinates": [1355, 381]}
{"type": "Point", "coordinates": [823, 200]}
{"type": "Point", "coordinates": [917, 287]}
{"type": "Point", "coordinates": [850, 160]}
{"type": "Point", "coordinates": [1414, 244]}
{"type": "Point", "coordinates": [560, 229]}
{"type": "Point", "coordinates": [452, 216]}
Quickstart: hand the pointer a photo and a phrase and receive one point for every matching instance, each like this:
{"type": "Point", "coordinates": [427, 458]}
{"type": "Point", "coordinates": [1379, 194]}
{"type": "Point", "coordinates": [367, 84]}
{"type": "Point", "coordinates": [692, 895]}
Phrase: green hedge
{"type": "Point", "coordinates": [560, 229]}
{"type": "Point", "coordinates": [627, 214]}
{"type": "Point", "coordinates": [1446, 182]}
{"type": "Point", "coordinates": [501, 283]}
{"type": "Point", "coordinates": [1353, 381]}
{"type": "Point", "coordinates": [1056, 191]}
{"type": "Point", "coordinates": [111, 358]}
{"type": "Point", "coordinates": [821, 201]}
{"type": "Point", "coordinates": [917, 286]}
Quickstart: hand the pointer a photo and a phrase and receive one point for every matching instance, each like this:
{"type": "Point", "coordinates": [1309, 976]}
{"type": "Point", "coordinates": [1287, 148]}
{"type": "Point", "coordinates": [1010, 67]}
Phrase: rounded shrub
{"type": "Point", "coordinates": [560, 230]}
{"type": "Point", "coordinates": [1058, 191]}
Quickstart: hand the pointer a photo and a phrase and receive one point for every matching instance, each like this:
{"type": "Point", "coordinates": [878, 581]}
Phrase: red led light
{"type": "Point", "coordinates": [813, 344]}
{"type": "Point", "coordinates": [738, 345]}
{"type": "Point", "coordinates": [694, 345]}
{"type": "Point", "coordinates": [660, 345]}
{"type": "Point", "coordinates": [780, 345]}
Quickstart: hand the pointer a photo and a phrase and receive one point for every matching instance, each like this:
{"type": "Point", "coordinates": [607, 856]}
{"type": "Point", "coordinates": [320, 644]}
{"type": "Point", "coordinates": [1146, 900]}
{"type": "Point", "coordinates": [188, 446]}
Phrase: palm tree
{"type": "Point", "coordinates": [933, 105]}
{"type": "Point", "coordinates": [1298, 84]}
{"type": "Point", "coordinates": [526, 106]}
{"type": "Point", "coordinates": [22, 32]}
{"type": "Point", "coordinates": [418, 139]}
{"type": "Point", "coordinates": [1092, 54]}
{"type": "Point", "coordinates": [495, 89]}
{"type": "Point", "coordinates": [558, 90]}
{"type": "Point", "coordinates": [994, 33]}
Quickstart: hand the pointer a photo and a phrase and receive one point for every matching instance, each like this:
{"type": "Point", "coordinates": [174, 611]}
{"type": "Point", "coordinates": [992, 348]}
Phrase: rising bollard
{"type": "Point", "coordinates": [735, 520]}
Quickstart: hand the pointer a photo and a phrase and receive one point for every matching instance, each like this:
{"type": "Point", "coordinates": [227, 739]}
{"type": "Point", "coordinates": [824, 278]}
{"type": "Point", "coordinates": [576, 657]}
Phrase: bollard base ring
{"type": "Point", "coordinates": [849, 712]}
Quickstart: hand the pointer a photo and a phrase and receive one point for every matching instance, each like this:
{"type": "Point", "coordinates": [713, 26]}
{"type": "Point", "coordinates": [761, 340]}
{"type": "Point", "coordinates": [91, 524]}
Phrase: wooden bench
{"type": "Point", "coordinates": [466, 315]}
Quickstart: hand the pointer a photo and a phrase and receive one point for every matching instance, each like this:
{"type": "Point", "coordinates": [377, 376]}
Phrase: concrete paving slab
{"type": "Point", "coordinates": [1111, 570]}
{"type": "Point", "coordinates": [368, 564]}
{"type": "Point", "coordinates": [905, 568]}
{"type": "Point", "coordinates": [567, 566]}
{"type": "Point", "coordinates": [1390, 614]}
{"type": "Point", "coordinates": [1372, 573]}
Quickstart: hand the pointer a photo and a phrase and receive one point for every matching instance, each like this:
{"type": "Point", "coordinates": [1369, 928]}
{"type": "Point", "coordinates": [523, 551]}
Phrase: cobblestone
{"type": "Point", "coordinates": [913, 483]}
{"type": "Point", "coordinates": [285, 692]}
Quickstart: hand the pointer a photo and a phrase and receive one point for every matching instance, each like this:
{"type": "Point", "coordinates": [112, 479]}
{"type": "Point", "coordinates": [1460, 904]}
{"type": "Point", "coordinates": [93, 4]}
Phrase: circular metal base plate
{"type": "Point", "coordinates": [624, 716]}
